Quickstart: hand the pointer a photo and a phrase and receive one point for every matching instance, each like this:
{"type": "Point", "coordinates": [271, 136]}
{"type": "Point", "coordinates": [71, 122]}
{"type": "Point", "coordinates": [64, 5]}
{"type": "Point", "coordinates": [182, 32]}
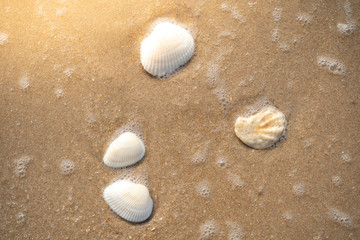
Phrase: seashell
{"type": "Point", "coordinates": [129, 200]}
{"type": "Point", "coordinates": [262, 129]}
{"type": "Point", "coordinates": [124, 151]}
{"type": "Point", "coordinates": [166, 49]}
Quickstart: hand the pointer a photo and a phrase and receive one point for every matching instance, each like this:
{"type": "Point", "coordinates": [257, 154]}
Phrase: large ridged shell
{"type": "Point", "coordinates": [129, 200]}
{"type": "Point", "coordinates": [262, 129]}
{"type": "Point", "coordinates": [124, 151]}
{"type": "Point", "coordinates": [166, 49]}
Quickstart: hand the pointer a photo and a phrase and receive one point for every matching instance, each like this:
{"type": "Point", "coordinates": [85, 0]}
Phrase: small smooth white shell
{"type": "Point", "coordinates": [262, 129]}
{"type": "Point", "coordinates": [129, 200]}
{"type": "Point", "coordinates": [124, 151]}
{"type": "Point", "coordinates": [166, 49]}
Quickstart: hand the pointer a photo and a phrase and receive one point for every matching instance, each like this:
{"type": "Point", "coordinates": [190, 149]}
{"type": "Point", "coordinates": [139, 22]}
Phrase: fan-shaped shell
{"type": "Point", "coordinates": [166, 49]}
{"type": "Point", "coordinates": [262, 129]}
{"type": "Point", "coordinates": [124, 151]}
{"type": "Point", "coordinates": [129, 200]}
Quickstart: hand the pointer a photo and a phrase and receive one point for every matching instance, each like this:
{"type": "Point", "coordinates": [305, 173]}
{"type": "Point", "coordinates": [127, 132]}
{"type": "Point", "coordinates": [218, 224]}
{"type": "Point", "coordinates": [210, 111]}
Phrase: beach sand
{"type": "Point", "coordinates": [71, 77]}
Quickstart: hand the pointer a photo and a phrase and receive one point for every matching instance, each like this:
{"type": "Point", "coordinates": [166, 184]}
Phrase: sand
{"type": "Point", "coordinates": [70, 78]}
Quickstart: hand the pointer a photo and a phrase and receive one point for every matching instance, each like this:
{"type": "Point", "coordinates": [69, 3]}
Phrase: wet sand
{"type": "Point", "coordinates": [70, 78]}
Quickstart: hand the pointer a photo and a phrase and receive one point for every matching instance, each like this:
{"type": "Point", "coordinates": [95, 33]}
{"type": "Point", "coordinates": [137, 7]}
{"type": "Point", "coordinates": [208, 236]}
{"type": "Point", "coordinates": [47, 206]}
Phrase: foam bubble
{"type": "Point", "coordinates": [24, 83]}
{"type": "Point", "coordinates": [201, 155]}
{"type": "Point", "coordinates": [252, 4]}
{"type": "Point", "coordinates": [222, 162]}
{"type": "Point", "coordinates": [235, 180]}
{"type": "Point", "coordinates": [68, 72]}
{"type": "Point", "coordinates": [331, 65]}
{"type": "Point", "coordinates": [287, 215]}
{"type": "Point", "coordinates": [67, 166]}
{"type": "Point", "coordinates": [347, 28]}
{"type": "Point", "coordinates": [304, 18]}
{"type": "Point", "coordinates": [237, 15]}
{"type": "Point", "coordinates": [59, 93]}
{"type": "Point", "coordinates": [128, 174]}
{"type": "Point", "coordinates": [345, 157]}
{"type": "Point", "coordinates": [203, 189]}
{"type": "Point", "coordinates": [299, 189]}
{"type": "Point", "coordinates": [20, 217]}
{"type": "Point", "coordinates": [21, 166]}
{"type": "Point", "coordinates": [275, 34]}
{"type": "Point", "coordinates": [284, 47]}
{"type": "Point", "coordinates": [261, 103]}
{"type": "Point", "coordinates": [208, 230]}
{"type": "Point", "coordinates": [133, 127]}
{"type": "Point", "coordinates": [235, 231]}
{"type": "Point", "coordinates": [336, 180]}
{"type": "Point", "coordinates": [223, 97]}
{"type": "Point", "coordinates": [347, 8]}
{"type": "Point", "coordinates": [341, 218]}
{"type": "Point", "coordinates": [3, 38]}
{"type": "Point", "coordinates": [318, 237]}
{"type": "Point", "coordinates": [277, 14]}
{"type": "Point", "coordinates": [224, 7]}
{"type": "Point", "coordinates": [213, 75]}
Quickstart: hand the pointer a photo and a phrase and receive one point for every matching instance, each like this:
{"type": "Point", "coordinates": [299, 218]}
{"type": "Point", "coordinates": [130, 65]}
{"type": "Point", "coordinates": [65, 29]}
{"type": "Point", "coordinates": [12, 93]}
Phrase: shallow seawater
{"type": "Point", "coordinates": [71, 79]}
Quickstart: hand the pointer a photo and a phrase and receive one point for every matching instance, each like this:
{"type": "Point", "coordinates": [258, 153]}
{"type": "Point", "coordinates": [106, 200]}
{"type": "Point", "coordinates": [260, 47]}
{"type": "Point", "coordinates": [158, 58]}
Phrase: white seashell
{"type": "Point", "coordinates": [262, 129]}
{"type": "Point", "coordinates": [129, 200]}
{"type": "Point", "coordinates": [124, 151]}
{"type": "Point", "coordinates": [166, 49]}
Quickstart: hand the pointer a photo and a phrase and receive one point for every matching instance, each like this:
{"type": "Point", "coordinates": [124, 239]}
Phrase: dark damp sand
{"type": "Point", "coordinates": [90, 51]}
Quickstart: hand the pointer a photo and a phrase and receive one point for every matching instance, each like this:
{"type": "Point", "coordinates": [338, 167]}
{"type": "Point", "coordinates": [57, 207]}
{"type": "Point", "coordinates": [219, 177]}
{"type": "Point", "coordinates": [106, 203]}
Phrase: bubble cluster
{"type": "Point", "coordinates": [252, 3]}
{"type": "Point", "coordinates": [346, 28]}
{"type": "Point", "coordinates": [203, 189]}
{"type": "Point", "coordinates": [223, 97]}
{"type": "Point", "coordinates": [3, 38]}
{"type": "Point", "coordinates": [224, 7]}
{"type": "Point", "coordinates": [67, 166]}
{"type": "Point", "coordinates": [331, 65]}
{"type": "Point", "coordinates": [341, 218]}
{"type": "Point", "coordinates": [347, 8]}
{"type": "Point", "coordinates": [129, 174]}
{"type": "Point", "coordinates": [222, 162]}
{"type": "Point", "coordinates": [20, 217]}
{"type": "Point", "coordinates": [336, 180]}
{"type": "Point", "coordinates": [133, 127]}
{"type": "Point", "coordinates": [235, 231]}
{"type": "Point", "coordinates": [24, 83]}
{"type": "Point", "coordinates": [68, 72]}
{"type": "Point", "coordinates": [350, 25]}
{"type": "Point", "coordinates": [284, 47]}
{"type": "Point", "coordinates": [304, 18]}
{"type": "Point", "coordinates": [213, 75]}
{"type": "Point", "coordinates": [235, 180]}
{"type": "Point", "coordinates": [299, 189]}
{"type": "Point", "coordinates": [201, 155]}
{"type": "Point", "coordinates": [277, 14]}
{"type": "Point", "coordinates": [59, 93]}
{"type": "Point", "coordinates": [237, 15]}
{"type": "Point", "coordinates": [21, 166]}
{"type": "Point", "coordinates": [287, 215]}
{"type": "Point", "coordinates": [318, 237]}
{"type": "Point", "coordinates": [275, 34]}
{"type": "Point", "coordinates": [208, 230]}
{"type": "Point", "coordinates": [345, 157]}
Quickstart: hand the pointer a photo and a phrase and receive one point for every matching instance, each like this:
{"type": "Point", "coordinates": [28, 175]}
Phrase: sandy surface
{"type": "Point", "coordinates": [70, 78]}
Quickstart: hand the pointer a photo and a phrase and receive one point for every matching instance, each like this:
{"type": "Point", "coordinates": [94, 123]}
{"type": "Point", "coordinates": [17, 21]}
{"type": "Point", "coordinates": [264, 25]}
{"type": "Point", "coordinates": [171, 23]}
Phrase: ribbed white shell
{"type": "Point", "coordinates": [124, 151]}
{"type": "Point", "coordinates": [129, 200]}
{"type": "Point", "coordinates": [262, 129]}
{"type": "Point", "coordinates": [166, 49]}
